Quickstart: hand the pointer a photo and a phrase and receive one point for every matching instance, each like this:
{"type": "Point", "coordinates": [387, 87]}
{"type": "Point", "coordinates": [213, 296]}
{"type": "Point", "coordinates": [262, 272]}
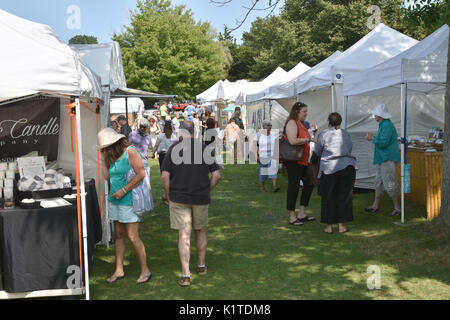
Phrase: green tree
{"type": "Point", "coordinates": [429, 14]}
{"type": "Point", "coordinates": [240, 62]}
{"type": "Point", "coordinates": [83, 39]}
{"type": "Point", "coordinates": [164, 50]}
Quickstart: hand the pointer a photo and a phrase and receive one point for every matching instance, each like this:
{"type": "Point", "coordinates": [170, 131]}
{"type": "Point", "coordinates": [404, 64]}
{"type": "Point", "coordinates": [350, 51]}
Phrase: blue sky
{"type": "Point", "coordinates": [101, 18]}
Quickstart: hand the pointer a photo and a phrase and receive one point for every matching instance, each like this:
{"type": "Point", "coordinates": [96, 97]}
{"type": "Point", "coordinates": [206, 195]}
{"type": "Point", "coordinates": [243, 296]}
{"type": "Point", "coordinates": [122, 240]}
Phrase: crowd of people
{"type": "Point", "coordinates": [326, 162]}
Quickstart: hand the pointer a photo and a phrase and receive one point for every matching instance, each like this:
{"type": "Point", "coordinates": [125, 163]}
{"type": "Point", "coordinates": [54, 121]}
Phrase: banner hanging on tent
{"type": "Point", "coordinates": [30, 125]}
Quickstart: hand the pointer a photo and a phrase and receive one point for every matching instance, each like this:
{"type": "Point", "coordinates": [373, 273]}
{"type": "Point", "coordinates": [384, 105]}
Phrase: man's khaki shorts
{"type": "Point", "coordinates": [188, 216]}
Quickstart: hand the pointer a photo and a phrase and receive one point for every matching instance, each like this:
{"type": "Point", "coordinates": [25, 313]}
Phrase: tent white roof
{"type": "Point", "coordinates": [95, 56]}
{"type": "Point", "coordinates": [117, 105]}
{"type": "Point", "coordinates": [211, 92]}
{"type": "Point", "coordinates": [34, 60]}
{"type": "Point", "coordinates": [229, 91]}
{"type": "Point", "coordinates": [286, 87]}
{"type": "Point", "coordinates": [380, 44]}
{"type": "Point", "coordinates": [423, 67]}
{"type": "Point", "coordinates": [260, 90]}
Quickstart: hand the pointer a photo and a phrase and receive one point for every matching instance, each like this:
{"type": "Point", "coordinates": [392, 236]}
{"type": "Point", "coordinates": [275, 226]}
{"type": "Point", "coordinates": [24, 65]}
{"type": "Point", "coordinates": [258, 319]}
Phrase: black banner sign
{"type": "Point", "coordinates": [30, 125]}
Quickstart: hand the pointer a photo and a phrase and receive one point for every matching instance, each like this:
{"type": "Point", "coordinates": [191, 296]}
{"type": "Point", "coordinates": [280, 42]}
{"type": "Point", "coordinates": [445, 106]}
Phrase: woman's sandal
{"type": "Point", "coordinates": [144, 279]}
{"type": "Point", "coordinates": [114, 278]}
{"type": "Point", "coordinates": [371, 210]}
{"type": "Point", "coordinates": [307, 218]}
{"type": "Point", "coordinates": [396, 213]}
{"type": "Point", "coordinates": [296, 222]}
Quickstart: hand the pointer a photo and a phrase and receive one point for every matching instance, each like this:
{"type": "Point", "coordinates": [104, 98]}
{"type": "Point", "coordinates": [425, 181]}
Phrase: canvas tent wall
{"type": "Point", "coordinates": [421, 70]}
{"type": "Point", "coordinates": [35, 62]}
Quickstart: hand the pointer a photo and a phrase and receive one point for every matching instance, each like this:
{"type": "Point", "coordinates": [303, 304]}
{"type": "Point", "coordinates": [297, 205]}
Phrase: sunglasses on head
{"type": "Point", "coordinates": [299, 105]}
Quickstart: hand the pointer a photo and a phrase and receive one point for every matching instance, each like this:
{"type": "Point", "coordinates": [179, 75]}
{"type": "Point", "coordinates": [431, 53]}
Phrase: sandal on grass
{"type": "Point", "coordinates": [371, 210]}
{"type": "Point", "coordinates": [395, 213]}
{"type": "Point", "coordinates": [114, 278]}
{"type": "Point", "coordinates": [307, 218]}
{"type": "Point", "coordinates": [144, 279]}
{"type": "Point", "coordinates": [296, 222]}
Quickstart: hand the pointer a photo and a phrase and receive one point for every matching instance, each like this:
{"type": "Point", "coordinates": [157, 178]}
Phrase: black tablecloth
{"type": "Point", "coordinates": [38, 245]}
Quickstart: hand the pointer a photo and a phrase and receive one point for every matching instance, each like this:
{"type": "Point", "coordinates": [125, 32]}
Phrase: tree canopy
{"type": "Point", "coordinates": [164, 50]}
{"type": "Point", "coordinates": [83, 39]}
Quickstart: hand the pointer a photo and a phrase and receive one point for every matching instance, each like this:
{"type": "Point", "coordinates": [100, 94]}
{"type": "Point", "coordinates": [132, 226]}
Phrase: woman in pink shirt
{"type": "Point", "coordinates": [232, 134]}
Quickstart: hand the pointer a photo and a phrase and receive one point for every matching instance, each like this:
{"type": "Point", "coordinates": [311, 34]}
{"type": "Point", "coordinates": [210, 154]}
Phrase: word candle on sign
{"type": "Point", "coordinates": [30, 125]}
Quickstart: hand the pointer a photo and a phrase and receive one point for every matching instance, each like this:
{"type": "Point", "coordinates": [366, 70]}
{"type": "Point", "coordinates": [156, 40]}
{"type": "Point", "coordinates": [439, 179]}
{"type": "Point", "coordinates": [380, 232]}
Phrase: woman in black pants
{"type": "Point", "coordinates": [337, 174]}
{"type": "Point", "coordinates": [297, 134]}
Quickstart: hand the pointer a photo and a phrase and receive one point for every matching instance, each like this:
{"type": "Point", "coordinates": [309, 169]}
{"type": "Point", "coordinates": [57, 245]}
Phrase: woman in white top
{"type": "Point", "coordinates": [265, 141]}
{"type": "Point", "coordinates": [197, 126]}
{"type": "Point", "coordinates": [154, 132]}
{"type": "Point", "coordinates": [164, 141]}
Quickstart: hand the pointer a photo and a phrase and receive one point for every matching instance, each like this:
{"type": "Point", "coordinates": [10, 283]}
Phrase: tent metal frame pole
{"type": "Point", "coordinates": [83, 197]}
{"type": "Point", "coordinates": [126, 108]}
{"type": "Point", "coordinates": [346, 112]}
{"type": "Point", "coordinates": [402, 148]}
{"type": "Point", "coordinates": [333, 103]}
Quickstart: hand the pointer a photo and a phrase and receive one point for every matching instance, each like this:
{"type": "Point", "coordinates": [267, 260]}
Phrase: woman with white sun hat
{"type": "Point", "coordinates": [386, 155]}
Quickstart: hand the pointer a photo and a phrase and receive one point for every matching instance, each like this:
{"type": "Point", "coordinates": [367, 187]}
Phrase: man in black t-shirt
{"type": "Point", "coordinates": [186, 183]}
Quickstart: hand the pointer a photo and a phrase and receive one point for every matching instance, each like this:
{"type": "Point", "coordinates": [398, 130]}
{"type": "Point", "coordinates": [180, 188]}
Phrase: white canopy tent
{"type": "Point", "coordinates": [282, 95]}
{"type": "Point", "coordinates": [134, 105]}
{"type": "Point", "coordinates": [412, 83]}
{"type": "Point", "coordinates": [279, 97]}
{"type": "Point", "coordinates": [210, 93]}
{"type": "Point", "coordinates": [286, 87]}
{"type": "Point", "coordinates": [229, 91]}
{"type": "Point", "coordinates": [378, 45]}
{"type": "Point", "coordinates": [322, 89]}
{"type": "Point", "coordinates": [35, 62]}
{"type": "Point", "coordinates": [260, 89]}
{"type": "Point", "coordinates": [68, 75]}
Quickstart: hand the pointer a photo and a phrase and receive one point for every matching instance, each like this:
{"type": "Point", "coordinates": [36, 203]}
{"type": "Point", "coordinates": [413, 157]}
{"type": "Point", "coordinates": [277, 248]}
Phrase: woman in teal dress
{"type": "Point", "coordinates": [117, 157]}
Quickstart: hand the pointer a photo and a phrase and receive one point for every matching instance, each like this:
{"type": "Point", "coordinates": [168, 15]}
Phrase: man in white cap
{"type": "Point", "coordinates": [385, 157]}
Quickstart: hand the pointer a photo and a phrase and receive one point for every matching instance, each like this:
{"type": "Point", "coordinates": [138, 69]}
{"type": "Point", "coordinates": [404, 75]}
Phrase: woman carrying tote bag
{"type": "Point", "coordinates": [118, 158]}
{"type": "Point", "coordinates": [297, 135]}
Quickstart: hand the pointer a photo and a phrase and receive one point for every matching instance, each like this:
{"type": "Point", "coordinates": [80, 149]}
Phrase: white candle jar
{"type": "Point", "coordinates": [9, 183]}
{"type": "Point", "coordinates": [10, 174]}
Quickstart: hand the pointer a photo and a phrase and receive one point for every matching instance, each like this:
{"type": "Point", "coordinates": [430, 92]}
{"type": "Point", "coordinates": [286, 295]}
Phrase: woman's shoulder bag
{"type": "Point", "coordinates": [142, 194]}
{"type": "Point", "coordinates": [287, 151]}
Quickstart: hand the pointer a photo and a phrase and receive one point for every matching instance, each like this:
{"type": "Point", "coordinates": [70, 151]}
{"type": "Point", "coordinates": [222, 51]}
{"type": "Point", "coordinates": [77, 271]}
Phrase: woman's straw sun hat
{"type": "Point", "coordinates": [107, 137]}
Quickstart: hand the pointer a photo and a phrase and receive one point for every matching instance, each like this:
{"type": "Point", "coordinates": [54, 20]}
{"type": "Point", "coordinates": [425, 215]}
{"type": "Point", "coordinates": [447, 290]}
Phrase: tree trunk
{"type": "Point", "coordinates": [445, 203]}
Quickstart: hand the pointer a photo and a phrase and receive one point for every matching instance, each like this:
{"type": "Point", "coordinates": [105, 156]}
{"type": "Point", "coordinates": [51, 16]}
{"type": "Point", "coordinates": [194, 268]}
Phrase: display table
{"type": "Point", "coordinates": [38, 245]}
{"type": "Point", "coordinates": [425, 180]}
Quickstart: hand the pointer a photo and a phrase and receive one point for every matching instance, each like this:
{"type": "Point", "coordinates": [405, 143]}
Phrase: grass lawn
{"type": "Point", "coordinates": [253, 253]}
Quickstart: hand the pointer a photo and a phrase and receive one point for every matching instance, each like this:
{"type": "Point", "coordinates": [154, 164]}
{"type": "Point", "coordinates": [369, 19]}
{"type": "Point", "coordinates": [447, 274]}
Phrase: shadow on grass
{"type": "Point", "coordinates": [253, 253]}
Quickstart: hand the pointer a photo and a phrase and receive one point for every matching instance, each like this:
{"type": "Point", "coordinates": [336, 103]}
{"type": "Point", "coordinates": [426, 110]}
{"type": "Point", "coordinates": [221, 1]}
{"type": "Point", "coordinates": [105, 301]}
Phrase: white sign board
{"type": "Point", "coordinates": [31, 166]}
